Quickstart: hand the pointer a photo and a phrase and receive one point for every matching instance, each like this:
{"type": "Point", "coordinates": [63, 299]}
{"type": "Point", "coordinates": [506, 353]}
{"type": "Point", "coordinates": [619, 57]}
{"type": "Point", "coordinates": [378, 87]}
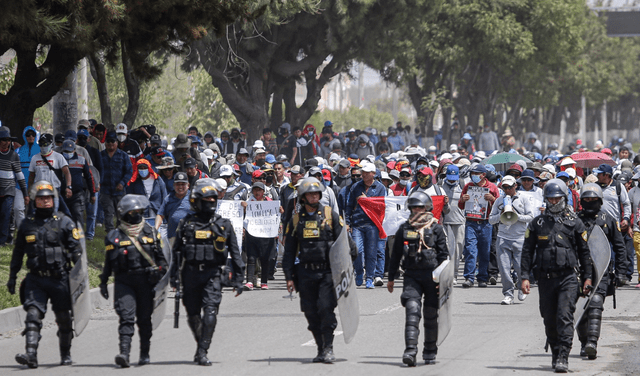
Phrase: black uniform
{"type": "Point", "coordinates": [203, 243]}
{"type": "Point", "coordinates": [136, 274]}
{"type": "Point", "coordinates": [50, 244]}
{"type": "Point", "coordinates": [559, 244]}
{"type": "Point", "coordinates": [589, 327]}
{"type": "Point", "coordinates": [309, 236]}
{"type": "Point", "coordinates": [423, 253]}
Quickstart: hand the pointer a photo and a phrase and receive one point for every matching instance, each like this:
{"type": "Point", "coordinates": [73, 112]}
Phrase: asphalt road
{"type": "Point", "coordinates": [264, 333]}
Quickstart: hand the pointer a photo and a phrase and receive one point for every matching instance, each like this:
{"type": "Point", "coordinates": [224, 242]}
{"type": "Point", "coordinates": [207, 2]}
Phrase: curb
{"type": "Point", "coordinates": [13, 318]}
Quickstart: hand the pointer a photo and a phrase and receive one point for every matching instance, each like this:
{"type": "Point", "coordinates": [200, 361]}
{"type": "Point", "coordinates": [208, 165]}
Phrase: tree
{"type": "Point", "coordinates": [66, 31]}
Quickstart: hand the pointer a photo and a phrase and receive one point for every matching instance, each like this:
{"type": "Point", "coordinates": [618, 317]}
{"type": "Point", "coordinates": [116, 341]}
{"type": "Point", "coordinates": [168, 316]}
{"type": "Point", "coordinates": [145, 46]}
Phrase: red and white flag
{"type": "Point", "coordinates": [389, 212]}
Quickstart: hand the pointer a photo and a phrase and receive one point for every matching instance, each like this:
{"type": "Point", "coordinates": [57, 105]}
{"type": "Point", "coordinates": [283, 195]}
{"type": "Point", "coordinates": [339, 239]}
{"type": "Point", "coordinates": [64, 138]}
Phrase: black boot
{"type": "Point", "coordinates": [430, 335]}
{"type": "Point", "coordinates": [327, 339]}
{"type": "Point", "coordinates": [554, 356]}
{"type": "Point", "coordinates": [320, 344]}
{"type": "Point", "coordinates": [562, 365]}
{"type": "Point", "coordinates": [30, 359]}
{"type": "Point", "coordinates": [583, 351]}
{"type": "Point", "coordinates": [594, 319]}
{"type": "Point", "coordinates": [195, 323]}
{"type": "Point", "coordinates": [65, 348]}
{"type": "Point", "coordinates": [208, 327]}
{"type": "Point", "coordinates": [145, 345]}
{"type": "Point", "coordinates": [122, 359]}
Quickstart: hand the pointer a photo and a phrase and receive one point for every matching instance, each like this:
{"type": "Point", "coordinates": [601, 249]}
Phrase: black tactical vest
{"type": "Point", "coordinates": [124, 255]}
{"type": "Point", "coordinates": [315, 235]}
{"type": "Point", "coordinates": [556, 247]}
{"type": "Point", "coordinates": [45, 250]}
{"type": "Point", "coordinates": [414, 256]}
{"type": "Point", "coordinates": [205, 242]}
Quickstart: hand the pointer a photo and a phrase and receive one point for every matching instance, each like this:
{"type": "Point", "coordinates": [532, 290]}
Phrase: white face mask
{"type": "Point", "coordinates": [121, 137]}
{"type": "Point", "coordinates": [404, 182]}
{"type": "Point", "coordinates": [68, 155]}
{"type": "Point", "coordinates": [44, 150]}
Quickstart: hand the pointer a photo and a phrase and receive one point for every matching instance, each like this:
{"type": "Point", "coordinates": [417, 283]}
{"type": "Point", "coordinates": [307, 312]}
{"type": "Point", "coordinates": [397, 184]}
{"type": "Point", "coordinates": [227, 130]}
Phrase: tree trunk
{"type": "Point", "coordinates": [99, 76]}
{"type": "Point", "coordinates": [133, 89]}
{"type": "Point", "coordinates": [65, 105]}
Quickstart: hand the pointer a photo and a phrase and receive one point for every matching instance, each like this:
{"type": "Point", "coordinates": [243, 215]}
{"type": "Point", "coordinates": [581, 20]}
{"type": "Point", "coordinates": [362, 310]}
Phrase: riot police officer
{"type": "Point", "coordinates": [588, 329]}
{"type": "Point", "coordinates": [134, 255]}
{"type": "Point", "coordinates": [309, 236]}
{"type": "Point", "coordinates": [203, 241]}
{"type": "Point", "coordinates": [421, 245]}
{"type": "Point", "coordinates": [558, 239]}
{"type": "Point", "coordinates": [51, 241]}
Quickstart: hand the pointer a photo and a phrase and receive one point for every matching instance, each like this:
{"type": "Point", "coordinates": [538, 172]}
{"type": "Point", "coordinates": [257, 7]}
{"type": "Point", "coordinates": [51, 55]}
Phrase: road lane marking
{"type": "Point", "coordinates": [390, 308]}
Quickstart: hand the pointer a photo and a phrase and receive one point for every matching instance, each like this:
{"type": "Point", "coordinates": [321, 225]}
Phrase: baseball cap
{"type": "Point", "coordinates": [479, 168]}
{"type": "Point", "coordinates": [326, 174]}
{"type": "Point", "coordinates": [70, 135]}
{"type": "Point", "coordinates": [180, 177]}
{"type": "Point", "coordinates": [68, 146]}
{"type": "Point", "coordinates": [516, 167]}
{"type": "Point", "coordinates": [563, 174]}
{"type": "Point", "coordinates": [368, 167]}
{"type": "Point", "coordinates": [121, 128]}
{"type": "Point", "coordinates": [508, 180]}
{"type": "Point", "coordinates": [603, 169]}
{"type": "Point", "coordinates": [270, 159]}
{"type": "Point", "coordinates": [190, 163]}
{"type": "Point", "coordinates": [222, 182]}
{"type": "Point", "coordinates": [258, 184]}
{"type": "Point", "coordinates": [242, 151]}
{"type": "Point", "coordinates": [83, 132]}
{"type": "Point", "coordinates": [394, 174]}
{"type": "Point", "coordinates": [453, 172]}
{"type": "Point", "coordinates": [157, 151]}
{"type": "Point", "coordinates": [257, 173]}
{"type": "Point", "coordinates": [296, 169]}
{"type": "Point", "coordinates": [226, 170]}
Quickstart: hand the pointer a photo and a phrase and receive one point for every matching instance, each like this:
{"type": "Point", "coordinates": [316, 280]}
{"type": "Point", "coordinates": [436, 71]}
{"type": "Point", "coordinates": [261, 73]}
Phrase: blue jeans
{"type": "Point", "coordinates": [367, 239]}
{"type": "Point", "coordinates": [380, 258]}
{"type": "Point", "coordinates": [92, 212]}
{"type": "Point", "coordinates": [6, 206]}
{"type": "Point", "coordinates": [477, 246]}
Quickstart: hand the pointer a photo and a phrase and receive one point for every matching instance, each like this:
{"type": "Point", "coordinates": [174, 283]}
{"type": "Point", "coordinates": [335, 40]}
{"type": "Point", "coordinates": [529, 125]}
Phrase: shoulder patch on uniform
{"type": "Point", "coordinates": [109, 247]}
{"type": "Point", "coordinates": [76, 233]}
{"type": "Point", "coordinates": [30, 238]}
{"type": "Point", "coordinates": [585, 236]}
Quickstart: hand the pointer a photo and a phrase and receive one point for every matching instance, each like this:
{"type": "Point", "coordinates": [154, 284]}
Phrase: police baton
{"type": "Point", "coordinates": [176, 310]}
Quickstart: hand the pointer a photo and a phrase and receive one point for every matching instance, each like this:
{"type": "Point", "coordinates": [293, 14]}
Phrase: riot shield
{"type": "Point", "coordinates": [601, 255]}
{"type": "Point", "coordinates": [443, 275]}
{"type": "Point", "coordinates": [344, 286]}
{"type": "Point", "coordinates": [160, 291]}
{"type": "Point", "coordinates": [79, 286]}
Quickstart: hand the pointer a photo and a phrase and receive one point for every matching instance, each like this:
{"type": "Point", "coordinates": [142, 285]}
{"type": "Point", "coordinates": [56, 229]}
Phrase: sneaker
{"type": "Point", "coordinates": [264, 286]}
{"type": "Point", "coordinates": [493, 280]}
{"type": "Point", "coordinates": [482, 284]}
{"type": "Point", "coordinates": [370, 284]}
{"type": "Point", "coordinates": [248, 286]}
{"type": "Point", "coordinates": [455, 282]}
{"type": "Point", "coordinates": [507, 300]}
{"type": "Point", "coordinates": [467, 283]}
{"type": "Point", "coordinates": [358, 280]}
{"type": "Point", "coordinates": [521, 296]}
{"type": "Point", "coordinates": [378, 281]}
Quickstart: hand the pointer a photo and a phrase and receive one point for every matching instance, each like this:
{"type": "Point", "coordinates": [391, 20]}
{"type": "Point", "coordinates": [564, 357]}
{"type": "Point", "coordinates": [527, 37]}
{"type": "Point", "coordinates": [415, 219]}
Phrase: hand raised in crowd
{"type": "Point", "coordinates": [464, 198]}
{"type": "Point", "coordinates": [489, 197]}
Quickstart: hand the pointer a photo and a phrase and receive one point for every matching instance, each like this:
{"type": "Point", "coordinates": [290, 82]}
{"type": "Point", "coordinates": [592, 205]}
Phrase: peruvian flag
{"type": "Point", "coordinates": [389, 212]}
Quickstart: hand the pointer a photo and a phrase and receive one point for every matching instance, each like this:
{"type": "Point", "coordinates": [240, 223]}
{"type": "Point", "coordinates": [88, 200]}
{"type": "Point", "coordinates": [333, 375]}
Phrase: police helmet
{"type": "Point", "coordinates": [591, 190]}
{"type": "Point", "coordinates": [43, 188]}
{"type": "Point", "coordinates": [555, 188]}
{"type": "Point", "coordinates": [132, 202]}
{"type": "Point", "coordinates": [308, 185]}
{"type": "Point", "coordinates": [203, 188]}
{"type": "Point", "coordinates": [419, 199]}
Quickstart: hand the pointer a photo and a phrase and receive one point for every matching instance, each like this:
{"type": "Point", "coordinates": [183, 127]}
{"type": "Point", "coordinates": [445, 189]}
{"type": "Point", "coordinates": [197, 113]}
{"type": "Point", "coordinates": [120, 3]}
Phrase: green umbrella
{"type": "Point", "coordinates": [502, 160]}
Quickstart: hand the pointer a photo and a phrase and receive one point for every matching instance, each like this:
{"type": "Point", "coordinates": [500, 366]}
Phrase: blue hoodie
{"type": "Point", "coordinates": [26, 152]}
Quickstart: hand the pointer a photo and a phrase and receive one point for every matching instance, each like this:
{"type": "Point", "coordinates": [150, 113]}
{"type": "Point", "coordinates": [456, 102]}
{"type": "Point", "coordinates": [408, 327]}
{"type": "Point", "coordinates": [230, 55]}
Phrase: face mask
{"type": "Point", "coordinates": [424, 181]}
{"type": "Point", "coordinates": [476, 178]}
{"type": "Point", "coordinates": [67, 156]}
{"type": "Point", "coordinates": [121, 137]}
{"type": "Point", "coordinates": [404, 182]}
{"type": "Point", "coordinates": [260, 162]}
{"type": "Point", "coordinates": [82, 142]}
{"type": "Point", "coordinates": [557, 208]}
{"type": "Point", "coordinates": [143, 173]}
{"type": "Point", "coordinates": [209, 207]}
{"type": "Point", "coordinates": [44, 150]}
{"type": "Point", "coordinates": [44, 212]}
{"type": "Point", "coordinates": [591, 207]}
{"type": "Point", "coordinates": [215, 155]}
{"type": "Point", "coordinates": [269, 179]}
{"type": "Point", "coordinates": [310, 133]}
{"type": "Point", "coordinates": [132, 218]}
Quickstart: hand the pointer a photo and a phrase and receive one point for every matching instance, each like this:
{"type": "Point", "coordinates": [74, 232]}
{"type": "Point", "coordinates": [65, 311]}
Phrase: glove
{"type": "Point", "coordinates": [104, 291]}
{"type": "Point", "coordinates": [76, 256]}
{"type": "Point", "coordinates": [11, 286]}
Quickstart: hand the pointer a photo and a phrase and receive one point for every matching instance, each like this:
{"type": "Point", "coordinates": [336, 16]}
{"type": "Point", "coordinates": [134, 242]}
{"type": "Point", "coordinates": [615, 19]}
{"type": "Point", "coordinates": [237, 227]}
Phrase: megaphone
{"type": "Point", "coordinates": [509, 216]}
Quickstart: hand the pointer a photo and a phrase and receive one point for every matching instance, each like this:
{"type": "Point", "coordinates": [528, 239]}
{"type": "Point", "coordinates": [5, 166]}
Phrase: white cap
{"type": "Point", "coordinates": [549, 167]}
{"type": "Point", "coordinates": [121, 128]}
{"type": "Point", "coordinates": [434, 165]}
{"type": "Point", "coordinates": [208, 153]}
{"type": "Point", "coordinates": [335, 157]}
{"type": "Point", "coordinates": [384, 175]}
{"type": "Point", "coordinates": [455, 156]}
{"type": "Point", "coordinates": [453, 147]}
{"type": "Point", "coordinates": [446, 156]}
{"type": "Point", "coordinates": [432, 148]}
{"type": "Point", "coordinates": [508, 180]}
{"type": "Point", "coordinates": [567, 161]}
{"type": "Point", "coordinates": [226, 170]}
{"type": "Point", "coordinates": [368, 167]}
{"type": "Point", "coordinates": [571, 172]}
{"type": "Point", "coordinates": [222, 182]}
{"type": "Point", "coordinates": [258, 144]}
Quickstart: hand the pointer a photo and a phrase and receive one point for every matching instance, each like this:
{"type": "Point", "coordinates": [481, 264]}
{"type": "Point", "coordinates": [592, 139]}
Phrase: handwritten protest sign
{"type": "Point", "coordinates": [262, 218]}
{"type": "Point", "coordinates": [233, 211]}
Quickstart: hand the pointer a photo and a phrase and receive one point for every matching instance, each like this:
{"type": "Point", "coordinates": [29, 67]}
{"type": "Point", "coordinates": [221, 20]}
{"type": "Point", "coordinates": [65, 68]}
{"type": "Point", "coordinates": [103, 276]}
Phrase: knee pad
{"type": "Point", "coordinates": [597, 302]}
{"type": "Point", "coordinates": [64, 321]}
{"type": "Point", "coordinates": [413, 313]}
{"type": "Point", "coordinates": [210, 317]}
{"type": "Point", "coordinates": [34, 318]}
{"type": "Point", "coordinates": [430, 313]}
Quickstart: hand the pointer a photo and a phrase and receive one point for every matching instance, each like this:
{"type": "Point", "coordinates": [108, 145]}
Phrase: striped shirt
{"type": "Point", "coordinates": [10, 172]}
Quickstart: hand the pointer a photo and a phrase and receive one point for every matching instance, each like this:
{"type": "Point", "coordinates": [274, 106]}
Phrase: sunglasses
{"type": "Point", "coordinates": [508, 186]}
{"type": "Point", "coordinates": [405, 175]}
{"type": "Point", "coordinates": [260, 178]}
{"type": "Point", "coordinates": [30, 135]}
{"type": "Point", "coordinates": [356, 176]}
{"type": "Point", "coordinates": [5, 140]}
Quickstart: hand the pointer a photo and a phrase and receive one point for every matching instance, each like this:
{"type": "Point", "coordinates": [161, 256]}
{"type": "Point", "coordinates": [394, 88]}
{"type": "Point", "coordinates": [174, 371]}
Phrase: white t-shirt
{"type": "Point", "coordinates": [43, 172]}
{"type": "Point", "coordinates": [148, 185]}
